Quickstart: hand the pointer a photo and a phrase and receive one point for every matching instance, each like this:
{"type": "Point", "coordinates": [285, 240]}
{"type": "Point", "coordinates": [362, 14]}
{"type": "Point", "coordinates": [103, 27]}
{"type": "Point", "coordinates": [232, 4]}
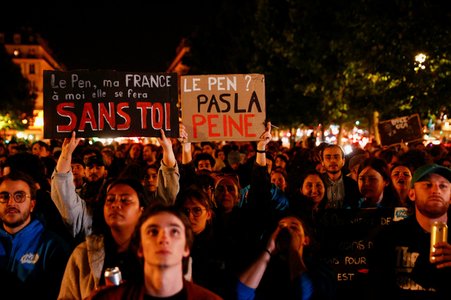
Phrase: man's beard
{"type": "Point", "coordinates": [432, 212]}
{"type": "Point", "coordinates": [333, 171]}
{"type": "Point", "coordinates": [23, 218]}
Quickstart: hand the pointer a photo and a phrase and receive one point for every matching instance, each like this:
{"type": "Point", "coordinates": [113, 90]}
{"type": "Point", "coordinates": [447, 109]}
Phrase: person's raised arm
{"type": "Point", "coordinates": [65, 159]}
{"type": "Point", "coordinates": [187, 155]}
{"type": "Point", "coordinates": [266, 137]}
{"type": "Point", "coordinates": [252, 276]}
{"type": "Point", "coordinates": [168, 153]}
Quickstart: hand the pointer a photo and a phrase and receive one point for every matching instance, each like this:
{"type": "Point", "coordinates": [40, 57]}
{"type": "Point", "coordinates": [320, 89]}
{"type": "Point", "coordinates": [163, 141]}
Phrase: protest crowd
{"type": "Point", "coordinates": [212, 220]}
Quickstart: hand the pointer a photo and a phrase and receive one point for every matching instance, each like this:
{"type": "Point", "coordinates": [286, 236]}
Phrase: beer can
{"type": "Point", "coordinates": [113, 276]}
{"type": "Point", "coordinates": [439, 233]}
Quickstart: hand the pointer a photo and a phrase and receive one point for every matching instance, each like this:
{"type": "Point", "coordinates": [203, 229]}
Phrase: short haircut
{"type": "Point", "coordinates": [16, 175]}
{"type": "Point", "coordinates": [204, 156]}
{"type": "Point", "coordinates": [280, 171]}
{"type": "Point", "coordinates": [153, 210]}
{"type": "Point", "coordinates": [332, 146]}
{"type": "Point", "coordinates": [282, 157]}
{"type": "Point", "coordinates": [152, 166]}
{"type": "Point", "coordinates": [196, 194]}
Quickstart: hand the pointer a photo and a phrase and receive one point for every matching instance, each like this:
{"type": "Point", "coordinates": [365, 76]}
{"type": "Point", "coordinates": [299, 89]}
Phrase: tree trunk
{"type": "Point", "coordinates": [376, 129]}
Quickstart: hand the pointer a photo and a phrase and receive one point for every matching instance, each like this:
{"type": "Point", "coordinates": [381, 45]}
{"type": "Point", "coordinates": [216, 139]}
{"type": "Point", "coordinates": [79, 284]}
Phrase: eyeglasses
{"type": "Point", "coordinates": [197, 211]}
{"type": "Point", "coordinates": [19, 197]}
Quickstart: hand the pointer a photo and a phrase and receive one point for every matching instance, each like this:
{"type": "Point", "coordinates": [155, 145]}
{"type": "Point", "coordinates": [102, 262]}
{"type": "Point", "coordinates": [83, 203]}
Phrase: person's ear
{"type": "Point", "coordinates": [411, 194]}
{"type": "Point", "coordinates": [306, 241]}
{"type": "Point", "coordinates": [140, 252]}
{"type": "Point", "coordinates": [186, 253]}
{"type": "Point", "coordinates": [32, 205]}
{"type": "Point", "coordinates": [209, 215]}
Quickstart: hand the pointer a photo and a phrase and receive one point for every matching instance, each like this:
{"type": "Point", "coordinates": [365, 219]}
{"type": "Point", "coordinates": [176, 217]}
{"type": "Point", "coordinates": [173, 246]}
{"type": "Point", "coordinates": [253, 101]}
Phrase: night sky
{"type": "Point", "coordinates": [105, 35]}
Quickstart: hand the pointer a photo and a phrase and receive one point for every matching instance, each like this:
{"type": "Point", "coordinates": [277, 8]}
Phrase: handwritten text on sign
{"type": "Point", "coordinates": [224, 107]}
{"type": "Point", "coordinates": [109, 104]}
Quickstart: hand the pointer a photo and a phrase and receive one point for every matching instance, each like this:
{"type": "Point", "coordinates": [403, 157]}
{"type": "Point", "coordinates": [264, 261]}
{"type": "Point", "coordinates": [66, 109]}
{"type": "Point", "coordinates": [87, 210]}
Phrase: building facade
{"type": "Point", "coordinates": [32, 54]}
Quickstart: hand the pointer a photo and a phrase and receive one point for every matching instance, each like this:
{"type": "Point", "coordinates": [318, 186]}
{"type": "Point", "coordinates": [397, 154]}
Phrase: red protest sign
{"type": "Point", "coordinates": [110, 104]}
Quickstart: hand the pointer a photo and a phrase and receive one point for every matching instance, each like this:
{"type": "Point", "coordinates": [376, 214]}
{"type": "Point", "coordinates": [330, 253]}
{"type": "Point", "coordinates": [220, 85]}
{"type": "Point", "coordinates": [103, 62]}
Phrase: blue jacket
{"type": "Point", "coordinates": [317, 283]}
{"type": "Point", "coordinates": [37, 256]}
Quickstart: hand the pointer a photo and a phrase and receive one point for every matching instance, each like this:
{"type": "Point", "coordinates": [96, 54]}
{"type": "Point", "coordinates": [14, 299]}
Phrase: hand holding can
{"type": "Point", "coordinates": [439, 233]}
{"type": "Point", "coordinates": [113, 276]}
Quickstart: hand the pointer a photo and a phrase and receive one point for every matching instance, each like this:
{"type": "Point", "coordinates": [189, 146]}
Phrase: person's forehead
{"type": "Point", "coordinates": [76, 165]}
{"type": "Point", "coordinates": [9, 185]}
{"type": "Point", "coordinates": [313, 178]}
{"type": "Point", "coordinates": [368, 170]}
{"type": "Point", "coordinates": [400, 169]}
{"type": "Point", "coordinates": [433, 177]}
{"type": "Point", "coordinates": [163, 219]}
{"type": "Point", "coordinates": [332, 151]}
{"type": "Point", "coordinates": [122, 189]}
{"type": "Point", "coordinates": [226, 182]}
{"type": "Point", "coordinates": [152, 171]}
{"type": "Point", "coordinates": [204, 161]}
{"type": "Point", "coordinates": [192, 202]}
{"type": "Point", "coordinates": [276, 175]}
{"type": "Point", "coordinates": [95, 166]}
{"type": "Point", "coordinates": [290, 220]}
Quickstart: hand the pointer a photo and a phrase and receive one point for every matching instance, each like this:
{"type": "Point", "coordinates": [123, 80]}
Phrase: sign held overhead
{"type": "Point", "coordinates": [110, 104]}
{"type": "Point", "coordinates": [224, 107]}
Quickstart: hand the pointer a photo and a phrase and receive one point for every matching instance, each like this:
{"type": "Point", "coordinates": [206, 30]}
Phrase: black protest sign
{"type": "Point", "coordinates": [346, 237]}
{"type": "Point", "coordinates": [110, 104]}
{"type": "Point", "coordinates": [406, 129]}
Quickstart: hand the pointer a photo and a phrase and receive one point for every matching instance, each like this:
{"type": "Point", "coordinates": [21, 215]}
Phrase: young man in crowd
{"type": "Point", "coordinates": [162, 241]}
{"type": "Point", "coordinates": [341, 190]}
{"type": "Point", "coordinates": [35, 255]}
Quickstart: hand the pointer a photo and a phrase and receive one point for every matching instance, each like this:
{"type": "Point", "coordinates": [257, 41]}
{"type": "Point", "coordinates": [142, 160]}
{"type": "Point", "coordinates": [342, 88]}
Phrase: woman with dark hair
{"type": "Point", "coordinates": [401, 176]}
{"type": "Point", "coordinates": [115, 216]}
{"type": "Point", "coordinates": [213, 254]}
{"type": "Point", "coordinates": [286, 269]}
{"type": "Point", "coordinates": [310, 197]}
{"type": "Point", "coordinates": [314, 189]}
{"type": "Point", "coordinates": [134, 154]}
{"type": "Point", "coordinates": [375, 185]}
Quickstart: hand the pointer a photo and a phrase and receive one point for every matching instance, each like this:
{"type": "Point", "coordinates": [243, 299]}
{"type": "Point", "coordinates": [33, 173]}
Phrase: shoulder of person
{"type": "Point", "coordinates": [194, 291]}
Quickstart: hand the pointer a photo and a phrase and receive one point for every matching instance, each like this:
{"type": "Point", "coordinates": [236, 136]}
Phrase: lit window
{"type": "Point", "coordinates": [17, 38]}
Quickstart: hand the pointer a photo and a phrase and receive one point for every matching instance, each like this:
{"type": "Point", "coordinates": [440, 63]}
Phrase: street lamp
{"type": "Point", "coordinates": [420, 59]}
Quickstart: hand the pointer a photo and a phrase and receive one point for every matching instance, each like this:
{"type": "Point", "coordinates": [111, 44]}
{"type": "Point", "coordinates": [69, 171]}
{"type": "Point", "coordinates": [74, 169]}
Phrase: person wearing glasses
{"type": "Point", "coordinates": [33, 254]}
{"type": "Point", "coordinates": [213, 254]}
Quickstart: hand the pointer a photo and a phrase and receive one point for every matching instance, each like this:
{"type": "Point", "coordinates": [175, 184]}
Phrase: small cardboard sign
{"type": "Point", "coordinates": [110, 104]}
{"type": "Point", "coordinates": [223, 107]}
{"type": "Point", "coordinates": [406, 129]}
